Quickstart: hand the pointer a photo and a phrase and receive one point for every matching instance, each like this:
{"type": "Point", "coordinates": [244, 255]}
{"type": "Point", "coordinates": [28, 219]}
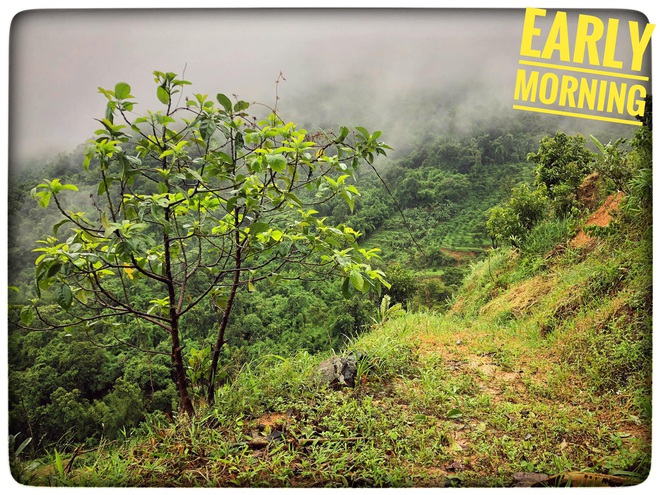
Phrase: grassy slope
{"type": "Point", "coordinates": [541, 370]}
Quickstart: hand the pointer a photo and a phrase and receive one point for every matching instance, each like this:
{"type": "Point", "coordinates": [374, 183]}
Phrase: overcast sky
{"type": "Point", "coordinates": [342, 65]}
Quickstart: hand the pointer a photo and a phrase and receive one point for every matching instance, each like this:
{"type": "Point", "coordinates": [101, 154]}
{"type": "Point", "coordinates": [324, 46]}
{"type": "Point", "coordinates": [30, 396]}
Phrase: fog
{"type": "Point", "coordinates": [401, 71]}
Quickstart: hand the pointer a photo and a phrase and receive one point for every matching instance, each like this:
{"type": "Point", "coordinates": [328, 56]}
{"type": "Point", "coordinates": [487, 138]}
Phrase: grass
{"type": "Point", "coordinates": [443, 402]}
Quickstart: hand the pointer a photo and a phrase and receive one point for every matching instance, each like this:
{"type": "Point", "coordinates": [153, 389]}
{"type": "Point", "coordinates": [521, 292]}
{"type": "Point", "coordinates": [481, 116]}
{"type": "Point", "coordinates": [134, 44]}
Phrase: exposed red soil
{"type": "Point", "coordinates": [600, 218]}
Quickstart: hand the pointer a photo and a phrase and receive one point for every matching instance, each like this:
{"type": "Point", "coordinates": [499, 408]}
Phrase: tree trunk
{"type": "Point", "coordinates": [185, 404]}
{"type": "Point", "coordinates": [225, 316]}
{"type": "Point", "coordinates": [220, 341]}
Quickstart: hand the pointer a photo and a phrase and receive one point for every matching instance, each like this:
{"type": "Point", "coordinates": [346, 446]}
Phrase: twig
{"type": "Point", "coordinates": [324, 440]}
{"type": "Point", "coordinates": [76, 451]}
{"type": "Point", "coordinates": [263, 442]}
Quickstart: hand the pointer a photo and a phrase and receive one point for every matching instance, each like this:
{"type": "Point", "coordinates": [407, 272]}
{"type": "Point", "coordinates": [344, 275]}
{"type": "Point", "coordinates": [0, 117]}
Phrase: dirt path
{"type": "Point", "coordinates": [525, 411]}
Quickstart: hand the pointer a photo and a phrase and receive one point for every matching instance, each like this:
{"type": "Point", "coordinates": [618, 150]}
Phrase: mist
{"type": "Point", "coordinates": [409, 73]}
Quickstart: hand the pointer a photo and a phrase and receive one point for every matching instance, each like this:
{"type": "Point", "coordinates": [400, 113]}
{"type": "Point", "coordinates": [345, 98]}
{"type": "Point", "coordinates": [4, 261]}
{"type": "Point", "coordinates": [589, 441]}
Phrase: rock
{"type": "Point", "coordinates": [338, 371]}
{"type": "Point", "coordinates": [528, 479]}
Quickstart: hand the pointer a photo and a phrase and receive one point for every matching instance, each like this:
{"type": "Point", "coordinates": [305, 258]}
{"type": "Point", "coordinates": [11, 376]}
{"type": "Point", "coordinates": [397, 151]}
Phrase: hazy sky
{"type": "Point", "coordinates": [338, 64]}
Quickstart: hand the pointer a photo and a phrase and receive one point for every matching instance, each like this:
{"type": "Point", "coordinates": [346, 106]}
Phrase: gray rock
{"type": "Point", "coordinates": [338, 371]}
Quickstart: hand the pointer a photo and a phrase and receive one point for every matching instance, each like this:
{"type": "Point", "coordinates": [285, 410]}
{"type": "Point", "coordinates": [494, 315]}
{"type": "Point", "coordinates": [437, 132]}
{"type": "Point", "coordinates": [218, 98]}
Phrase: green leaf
{"type": "Point", "coordinates": [224, 101]}
{"type": "Point", "coordinates": [363, 131]}
{"type": "Point", "coordinates": [195, 174]}
{"type": "Point", "coordinates": [292, 197]}
{"type": "Point", "coordinates": [356, 280]}
{"type": "Point", "coordinates": [26, 316]}
{"type": "Point", "coordinates": [22, 446]}
{"type": "Point", "coordinates": [110, 112]}
{"type": "Point", "coordinates": [224, 157]}
{"type": "Point", "coordinates": [89, 154]}
{"type": "Point", "coordinates": [597, 143]}
{"type": "Point", "coordinates": [345, 288]}
{"type": "Point", "coordinates": [276, 235]}
{"type": "Point", "coordinates": [44, 198]}
{"type": "Point", "coordinates": [257, 228]}
{"type": "Point", "coordinates": [53, 269]}
{"type": "Point", "coordinates": [163, 95]}
{"type": "Point", "coordinates": [122, 90]}
{"type": "Point", "coordinates": [349, 199]}
{"type": "Point", "coordinates": [59, 465]}
{"type": "Point", "coordinates": [454, 414]}
{"type": "Point", "coordinates": [239, 141]}
{"type": "Point", "coordinates": [250, 286]}
{"type": "Point", "coordinates": [241, 105]}
{"type": "Point", "coordinates": [59, 224]}
{"type": "Point", "coordinates": [277, 162]}
{"type": "Point", "coordinates": [206, 128]}
{"type": "Point", "coordinates": [64, 296]}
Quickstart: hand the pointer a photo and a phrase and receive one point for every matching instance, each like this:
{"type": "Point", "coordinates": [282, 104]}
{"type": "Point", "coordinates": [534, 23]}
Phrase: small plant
{"type": "Point", "coordinates": [19, 469]}
{"type": "Point", "coordinates": [613, 164]}
{"type": "Point", "coordinates": [199, 366]}
{"type": "Point", "coordinates": [363, 365]}
{"type": "Point", "coordinates": [16, 451]}
{"type": "Point", "coordinates": [385, 312]}
{"type": "Point", "coordinates": [58, 467]}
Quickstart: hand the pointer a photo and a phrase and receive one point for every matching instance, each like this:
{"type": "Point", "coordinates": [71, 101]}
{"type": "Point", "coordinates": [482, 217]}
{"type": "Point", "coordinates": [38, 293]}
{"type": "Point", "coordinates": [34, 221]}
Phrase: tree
{"type": "Point", "coordinates": [515, 220]}
{"type": "Point", "coordinates": [563, 161]}
{"type": "Point", "coordinates": [193, 203]}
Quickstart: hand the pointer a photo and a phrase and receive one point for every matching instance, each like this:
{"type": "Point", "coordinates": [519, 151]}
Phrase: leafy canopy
{"type": "Point", "coordinates": [197, 201]}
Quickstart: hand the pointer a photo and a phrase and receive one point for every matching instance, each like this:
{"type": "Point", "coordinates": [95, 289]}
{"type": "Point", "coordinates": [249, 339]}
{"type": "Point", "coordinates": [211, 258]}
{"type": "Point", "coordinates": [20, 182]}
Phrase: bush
{"type": "Point", "coordinates": [434, 292]}
{"type": "Point", "coordinates": [563, 161]}
{"type": "Point", "coordinates": [514, 221]}
{"type": "Point", "coordinates": [404, 285]}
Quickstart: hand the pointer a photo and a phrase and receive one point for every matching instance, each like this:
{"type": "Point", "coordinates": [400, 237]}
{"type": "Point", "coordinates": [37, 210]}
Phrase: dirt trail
{"type": "Point", "coordinates": [531, 400]}
{"type": "Point", "coordinates": [494, 373]}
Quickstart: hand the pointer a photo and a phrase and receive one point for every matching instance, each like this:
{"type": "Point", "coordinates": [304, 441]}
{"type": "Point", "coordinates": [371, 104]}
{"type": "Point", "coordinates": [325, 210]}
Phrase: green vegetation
{"type": "Point", "coordinates": [512, 334]}
{"type": "Point", "coordinates": [197, 208]}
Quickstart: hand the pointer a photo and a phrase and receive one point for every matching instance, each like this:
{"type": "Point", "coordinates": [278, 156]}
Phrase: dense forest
{"type": "Point", "coordinates": [181, 274]}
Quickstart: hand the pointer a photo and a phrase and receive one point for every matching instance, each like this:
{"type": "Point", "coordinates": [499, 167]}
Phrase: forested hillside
{"type": "Point", "coordinates": [189, 282]}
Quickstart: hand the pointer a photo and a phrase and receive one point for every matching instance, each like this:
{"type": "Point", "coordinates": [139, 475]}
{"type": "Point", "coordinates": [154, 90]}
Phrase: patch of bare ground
{"type": "Point", "coordinates": [272, 419]}
{"type": "Point", "coordinates": [587, 193]}
{"type": "Point", "coordinates": [600, 218]}
{"type": "Point", "coordinates": [459, 358]}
